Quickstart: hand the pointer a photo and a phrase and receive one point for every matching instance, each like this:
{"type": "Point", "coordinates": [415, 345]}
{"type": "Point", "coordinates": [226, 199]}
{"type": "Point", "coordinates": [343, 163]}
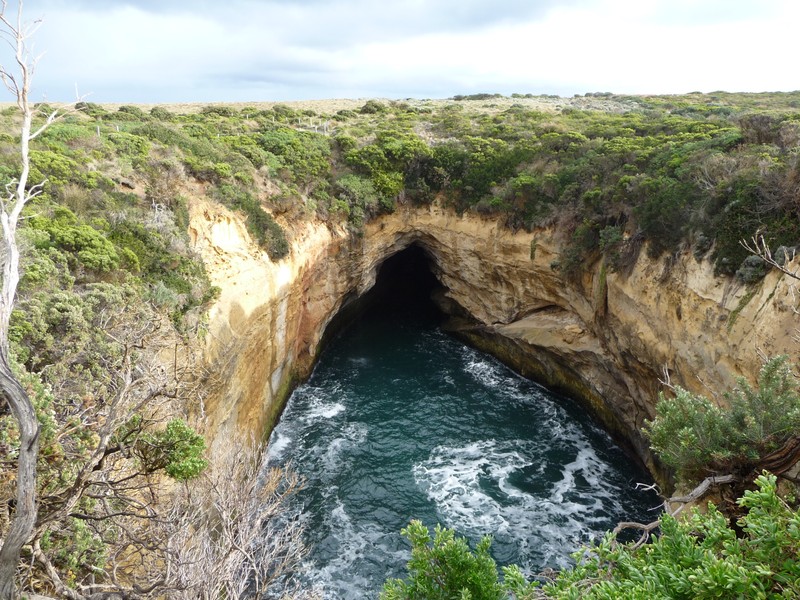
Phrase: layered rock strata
{"type": "Point", "coordinates": [609, 339]}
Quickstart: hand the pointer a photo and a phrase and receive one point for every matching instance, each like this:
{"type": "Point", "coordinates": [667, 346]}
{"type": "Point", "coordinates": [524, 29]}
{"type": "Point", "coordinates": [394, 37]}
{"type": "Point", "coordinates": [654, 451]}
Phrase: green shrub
{"type": "Point", "coordinates": [219, 110]}
{"type": "Point", "coordinates": [698, 438]}
{"type": "Point", "coordinates": [127, 144]}
{"type": "Point", "coordinates": [699, 557]}
{"type": "Point", "coordinates": [358, 195]}
{"type": "Point", "coordinates": [444, 568]}
{"type": "Point", "coordinates": [177, 449]}
{"type": "Point", "coordinates": [344, 114]}
{"type": "Point", "coordinates": [752, 270]}
{"type": "Point", "coordinates": [90, 108]}
{"type": "Point", "coordinates": [132, 112]}
{"type": "Point", "coordinates": [90, 247]}
{"type": "Point", "coordinates": [663, 214]}
{"type": "Point", "coordinates": [372, 107]}
{"type": "Point", "coordinates": [161, 114]}
{"type": "Point", "coordinates": [54, 168]}
{"type": "Point", "coordinates": [304, 155]}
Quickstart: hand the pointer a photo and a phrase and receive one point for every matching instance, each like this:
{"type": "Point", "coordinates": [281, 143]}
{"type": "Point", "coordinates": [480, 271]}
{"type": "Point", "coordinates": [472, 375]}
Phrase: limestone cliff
{"type": "Point", "coordinates": [607, 338]}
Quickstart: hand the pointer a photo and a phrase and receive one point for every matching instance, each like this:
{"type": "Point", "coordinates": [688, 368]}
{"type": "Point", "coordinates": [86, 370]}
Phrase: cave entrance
{"type": "Point", "coordinates": [405, 290]}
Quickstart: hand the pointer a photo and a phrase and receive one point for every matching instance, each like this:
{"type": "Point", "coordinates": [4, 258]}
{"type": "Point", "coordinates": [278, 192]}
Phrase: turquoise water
{"type": "Point", "coordinates": [400, 421]}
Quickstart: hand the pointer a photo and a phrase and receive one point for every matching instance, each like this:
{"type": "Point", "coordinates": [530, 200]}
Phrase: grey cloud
{"type": "Point", "coordinates": [329, 23]}
{"type": "Point", "coordinates": [199, 50]}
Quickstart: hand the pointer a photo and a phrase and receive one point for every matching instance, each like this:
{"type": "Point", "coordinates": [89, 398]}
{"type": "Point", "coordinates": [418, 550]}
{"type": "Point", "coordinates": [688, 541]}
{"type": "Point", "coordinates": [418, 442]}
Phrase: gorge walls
{"type": "Point", "coordinates": [609, 338]}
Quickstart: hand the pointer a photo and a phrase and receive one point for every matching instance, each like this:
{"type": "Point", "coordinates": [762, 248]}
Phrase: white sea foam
{"type": "Point", "coordinates": [472, 489]}
{"type": "Point", "coordinates": [351, 435]}
{"type": "Point", "coordinates": [356, 543]}
{"type": "Point", "coordinates": [500, 380]}
{"type": "Point", "coordinates": [484, 371]}
{"type": "Point", "coordinates": [452, 478]}
{"type": "Point", "coordinates": [320, 404]}
{"type": "Point", "coordinates": [278, 443]}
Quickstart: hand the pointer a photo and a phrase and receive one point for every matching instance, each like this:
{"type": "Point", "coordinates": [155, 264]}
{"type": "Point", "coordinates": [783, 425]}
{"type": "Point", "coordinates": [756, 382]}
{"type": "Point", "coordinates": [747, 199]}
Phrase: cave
{"type": "Point", "coordinates": [405, 289]}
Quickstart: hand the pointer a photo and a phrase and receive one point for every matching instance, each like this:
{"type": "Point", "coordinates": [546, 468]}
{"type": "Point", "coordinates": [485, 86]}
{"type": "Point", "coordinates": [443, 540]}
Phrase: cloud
{"type": "Point", "coordinates": [171, 50]}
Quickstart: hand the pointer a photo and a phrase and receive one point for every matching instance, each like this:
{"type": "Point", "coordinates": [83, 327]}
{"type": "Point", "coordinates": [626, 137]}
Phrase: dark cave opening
{"type": "Point", "coordinates": [405, 290]}
{"type": "Point", "coordinates": [405, 287]}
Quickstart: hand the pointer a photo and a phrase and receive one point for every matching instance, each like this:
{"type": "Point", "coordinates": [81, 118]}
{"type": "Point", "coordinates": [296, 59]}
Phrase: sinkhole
{"type": "Point", "coordinates": [401, 421]}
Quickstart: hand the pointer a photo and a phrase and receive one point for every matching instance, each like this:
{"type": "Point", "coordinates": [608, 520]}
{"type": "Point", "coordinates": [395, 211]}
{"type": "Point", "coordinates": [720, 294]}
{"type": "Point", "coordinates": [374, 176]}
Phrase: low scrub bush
{"type": "Point", "coordinates": [697, 438]}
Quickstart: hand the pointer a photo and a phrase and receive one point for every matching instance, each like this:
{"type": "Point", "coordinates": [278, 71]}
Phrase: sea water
{"type": "Point", "coordinates": [400, 421]}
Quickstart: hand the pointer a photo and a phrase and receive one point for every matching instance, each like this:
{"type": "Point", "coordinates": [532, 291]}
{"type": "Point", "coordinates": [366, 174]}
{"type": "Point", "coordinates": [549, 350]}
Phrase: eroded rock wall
{"type": "Point", "coordinates": [607, 338]}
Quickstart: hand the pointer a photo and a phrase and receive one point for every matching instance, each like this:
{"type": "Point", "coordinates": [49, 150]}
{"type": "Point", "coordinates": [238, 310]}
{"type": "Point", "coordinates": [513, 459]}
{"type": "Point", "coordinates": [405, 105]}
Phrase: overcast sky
{"type": "Point", "coordinates": [154, 51]}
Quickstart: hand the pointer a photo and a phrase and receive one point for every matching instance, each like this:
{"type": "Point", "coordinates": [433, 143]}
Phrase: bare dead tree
{"type": "Point", "coordinates": [757, 246]}
{"type": "Point", "coordinates": [113, 488]}
{"type": "Point", "coordinates": [233, 536]}
{"type": "Point", "coordinates": [18, 193]}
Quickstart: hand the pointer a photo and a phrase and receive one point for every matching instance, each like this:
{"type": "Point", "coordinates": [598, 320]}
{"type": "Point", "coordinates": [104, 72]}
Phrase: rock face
{"type": "Point", "coordinates": [607, 339]}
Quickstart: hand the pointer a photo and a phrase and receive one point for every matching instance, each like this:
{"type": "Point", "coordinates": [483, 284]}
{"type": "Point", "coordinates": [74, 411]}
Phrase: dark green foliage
{"type": "Point", "coordinates": [283, 113]}
{"type": "Point", "coordinates": [219, 110]}
{"type": "Point", "coordinates": [126, 144]}
{"type": "Point", "coordinates": [90, 247]}
{"type": "Point", "coordinates": [699, 557]}
{"type": "Point", "coordinates": [356, 197]}
{"type": "Point", "coordinates": [372, 107]}
{"type": "Point", "coordinates": [133, 113]}
{"type": "Point", "coordinates": [582, 249]}
{"type": "Point", "coordinates": [393, 158]}
{"type": "Point", "coordinates": [344, 114]}
{"type": "Point", "coordinates": [663, 212]}
{"type": "Point", "coordinates": [444, 568]}
{"type": "Point", "coordinates": [481, 96]}
{"type": "Point", "coordinates": [697, 438]}
{"type": "Point", "coordinates": [161, 114]}
{"type": "Point", "coordinates": [304, 157]}
{"type": "Point", "coordinates": [90, 108]}
{"type": "Point", "coordinates": [205, 160]}
{"type": "Point", "coordinates": [177, 449]}
{"type": "Point", "coordinates": [666, 171]}
{"type": "Point", "coordinates": [715, 167]}
{"type": "Point", "coordinates": [752, 269]}
{"type": "Point", "coordinates": [167, 135]}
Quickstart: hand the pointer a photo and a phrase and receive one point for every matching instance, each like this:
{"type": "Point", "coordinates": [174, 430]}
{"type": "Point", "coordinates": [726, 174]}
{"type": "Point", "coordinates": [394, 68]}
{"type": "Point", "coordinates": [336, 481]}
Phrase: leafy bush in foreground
{"type": "Point", "coordinates": [444, 567]}
{"type": "Point", "coordinates": [699, 557]}
{"type": "Point", "coordinates": [702, 556]}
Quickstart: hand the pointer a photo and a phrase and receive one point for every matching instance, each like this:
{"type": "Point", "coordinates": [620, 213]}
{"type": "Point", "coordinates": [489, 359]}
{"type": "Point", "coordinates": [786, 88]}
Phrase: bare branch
{"type": "Point", "coordinates": [645, 528]}
{"type": "Point", "coordinates": [758, 246]}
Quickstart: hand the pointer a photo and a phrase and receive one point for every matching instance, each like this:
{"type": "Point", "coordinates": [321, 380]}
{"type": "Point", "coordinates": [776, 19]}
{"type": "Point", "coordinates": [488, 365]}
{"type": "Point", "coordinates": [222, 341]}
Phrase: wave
{"type": "Point", "coordinates": [488, 488]}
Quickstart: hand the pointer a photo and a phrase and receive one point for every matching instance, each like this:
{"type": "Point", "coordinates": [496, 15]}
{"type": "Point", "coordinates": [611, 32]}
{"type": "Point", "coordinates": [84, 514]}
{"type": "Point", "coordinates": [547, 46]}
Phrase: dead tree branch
{"type": "Point", "coordinates": [758, 246]}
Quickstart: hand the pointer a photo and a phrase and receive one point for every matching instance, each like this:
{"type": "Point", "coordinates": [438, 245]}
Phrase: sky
{"type": "Point", "coordinates": [166, 51]}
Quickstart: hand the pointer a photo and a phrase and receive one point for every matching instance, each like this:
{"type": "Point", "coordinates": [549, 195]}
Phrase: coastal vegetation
{"type": "Point", "coordinates": [703, 555]}
{"type": "Point", "coordinates": [702, 170]}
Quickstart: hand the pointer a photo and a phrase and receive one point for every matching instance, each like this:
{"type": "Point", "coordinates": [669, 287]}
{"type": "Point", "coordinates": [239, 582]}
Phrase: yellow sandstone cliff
{"type": "Point", "coordinates": [608, 339]}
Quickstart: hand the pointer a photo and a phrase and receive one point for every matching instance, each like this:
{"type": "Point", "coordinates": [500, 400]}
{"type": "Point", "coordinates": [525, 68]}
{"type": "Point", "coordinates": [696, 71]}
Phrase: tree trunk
{"type": "Point", "coordinates": [25, 511]}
